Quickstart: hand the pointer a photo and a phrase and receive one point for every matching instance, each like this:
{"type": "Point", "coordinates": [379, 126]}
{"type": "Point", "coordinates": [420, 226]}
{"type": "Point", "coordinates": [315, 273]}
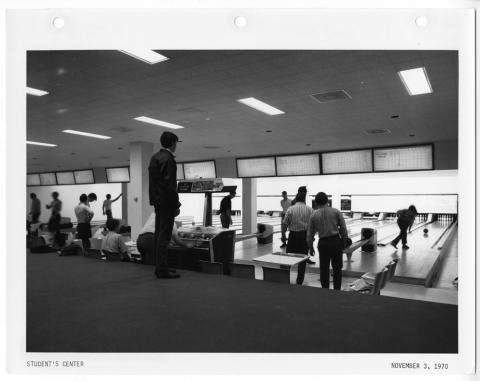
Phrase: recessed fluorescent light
{"type": "Point", "coordinates": [261, 106]}
{"type": "Point", "coordinates": [87, 134]}
{"type": "Point", "coordinates": [416, 81]}
{"type": "Point", "coordinates": [145, 55]}
{"type": "Point", "coordinates": [156, 122]}
{"type": "Point", "coordinates": [38, 93]}
{"type": "Point", "coordinates": [41, 144]}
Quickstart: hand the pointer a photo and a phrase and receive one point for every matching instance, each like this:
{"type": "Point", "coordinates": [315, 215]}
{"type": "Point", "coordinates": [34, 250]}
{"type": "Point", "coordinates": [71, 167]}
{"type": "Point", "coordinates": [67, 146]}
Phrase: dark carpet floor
{"type": "Point", "coordinates": [76, 304]}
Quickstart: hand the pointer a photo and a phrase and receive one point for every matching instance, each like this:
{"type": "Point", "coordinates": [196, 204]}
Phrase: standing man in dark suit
{"type": "Point", "coordinates": [164, 198]}
{"type": "Point", "coordinates": [332, 236]}
{"type": "Point", "coordinates": [226, 210]}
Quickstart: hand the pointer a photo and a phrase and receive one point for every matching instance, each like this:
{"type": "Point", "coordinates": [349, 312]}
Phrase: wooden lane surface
{"type": "Point", "coordinates": [413, 265]}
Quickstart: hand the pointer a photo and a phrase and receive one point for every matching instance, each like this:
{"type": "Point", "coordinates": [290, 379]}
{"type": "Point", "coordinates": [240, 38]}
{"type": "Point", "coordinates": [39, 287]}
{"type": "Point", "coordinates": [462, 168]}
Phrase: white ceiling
{"type": "Point", "coordinates": [101, 91]}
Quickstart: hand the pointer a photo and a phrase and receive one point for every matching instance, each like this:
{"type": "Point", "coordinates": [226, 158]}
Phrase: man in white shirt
{"type": "Point", "coordinates": [84, 215]}
{"type": "Point", "coordinates": [285, 203]}
{"type": "Point", "coordinates": [296, 220]}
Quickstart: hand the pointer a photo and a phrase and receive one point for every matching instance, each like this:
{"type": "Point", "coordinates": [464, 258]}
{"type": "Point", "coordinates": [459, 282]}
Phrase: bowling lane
{"type": "Point", "coordinates": [449, 269]}
{"type": "Point", "coordinates": [355, 231]}
{"type": "Point", "coordinates": [419, 241]}
{"type": "Point", "coordinates": [385, 228]}
{"type": "Point", "coordinates": [414, 265]}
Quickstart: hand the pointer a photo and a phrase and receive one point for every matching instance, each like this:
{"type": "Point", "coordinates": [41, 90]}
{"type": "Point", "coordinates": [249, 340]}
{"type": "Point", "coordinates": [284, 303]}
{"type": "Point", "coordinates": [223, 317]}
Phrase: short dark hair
{"type": "Point", "coordinates": [234, 193]}
{"type": "Point", "coordinates": [83, 197]}
{"type": "Point", "coordinates": [301, 196]}
{"type": "Point", "coordinates": [302, 189]}
{"type": "Point", "coordinates": [168, 139]}
{"type": "Point", "coordinates": [33, 195]}
{"type": "Point", "coordinates": [109, 196]}
{"type": "Point", "coordinates": [92, 196]}
{"type": "Point", "coordinates": [112, 224]}
{"type": "Point", "coordinates": [321, 198]}
{"type": "Point", "coordinates": [54, 194]}
{"type": "Point", "coordinates": [413, 209]}
{"type": "Point", "coordinates": [284, 192]}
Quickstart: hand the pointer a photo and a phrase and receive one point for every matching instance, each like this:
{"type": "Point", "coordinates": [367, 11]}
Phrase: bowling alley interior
{"type": "Point", "coordinates": [376, 131]}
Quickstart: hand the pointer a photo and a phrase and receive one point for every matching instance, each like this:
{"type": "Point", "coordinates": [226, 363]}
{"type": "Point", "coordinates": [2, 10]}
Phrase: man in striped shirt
{"type": "Point", "coordinates": [332, 235]}
{"type": "Point", "coordinates": [296, 220]}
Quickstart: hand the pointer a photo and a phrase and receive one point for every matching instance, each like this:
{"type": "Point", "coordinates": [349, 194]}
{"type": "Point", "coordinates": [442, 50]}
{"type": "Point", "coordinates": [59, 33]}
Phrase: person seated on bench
{"type": "Point", "coordinates": [100, 232]}
{"type": "Point", "coordinates": [113, 242]}
{"type": "Point", "coordinates": [145, 240]}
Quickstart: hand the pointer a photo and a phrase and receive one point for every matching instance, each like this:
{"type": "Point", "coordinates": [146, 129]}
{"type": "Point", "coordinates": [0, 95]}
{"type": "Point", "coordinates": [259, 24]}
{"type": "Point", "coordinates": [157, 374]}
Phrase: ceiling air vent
{"type": "Point", "coordinates": [330, 96]}
{"type": "Point", "coordinates": [190, 110]}
{"type": "Point", "coordinates": [377, 131]}
{"type": "Point", "coordinates": [121, 129]}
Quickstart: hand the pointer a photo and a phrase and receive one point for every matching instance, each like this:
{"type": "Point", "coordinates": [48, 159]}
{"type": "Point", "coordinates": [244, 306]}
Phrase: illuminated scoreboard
{"type": "Point", "coordinates": [298, 165]}
{"type": "Point", "coordinates": [256, 167]}
{"type": "Point", "coordinates": [403, 158]}
{"type": "Point", "coordinates": [356, 161]}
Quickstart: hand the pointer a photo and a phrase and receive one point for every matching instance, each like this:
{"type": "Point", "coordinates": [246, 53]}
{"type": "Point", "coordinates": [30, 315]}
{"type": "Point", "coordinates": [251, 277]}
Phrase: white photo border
{"type": "Point", "coordinates": [182, 29]}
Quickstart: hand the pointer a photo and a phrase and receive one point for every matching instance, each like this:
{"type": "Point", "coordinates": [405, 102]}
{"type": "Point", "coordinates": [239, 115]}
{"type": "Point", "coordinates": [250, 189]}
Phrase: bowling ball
{"type": "Point", "coordinates": [425, 231]}
{"type": "Point", "coordinates": [348, 242]}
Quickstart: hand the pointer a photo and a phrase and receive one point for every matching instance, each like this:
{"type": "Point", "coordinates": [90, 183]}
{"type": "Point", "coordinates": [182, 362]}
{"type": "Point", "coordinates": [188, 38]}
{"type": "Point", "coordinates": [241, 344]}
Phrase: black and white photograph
{"type": "Point", "coordinates": [213, 193]}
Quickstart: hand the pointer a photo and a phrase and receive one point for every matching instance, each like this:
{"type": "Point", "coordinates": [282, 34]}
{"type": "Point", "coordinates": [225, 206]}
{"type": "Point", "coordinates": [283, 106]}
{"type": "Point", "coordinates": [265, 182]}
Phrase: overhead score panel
{"type": "Point", "coordinates": [33, 179]}
{"type": "Point", "coordinates": [84, 177]}
{"type": "Point", "coordinates": [298, 165]}
{"type": "Point", "coordinates": [403, 158]}
{"type": "Point", "coordinates": [256, 167]}
{"type": "Point", "coordinates": [65, 178]}
{"type": "Point", "coordinates": [199, 170]}
{"type": "Point", "coordinates": [48, 179]}
{"type": "Point", "coordinates": [356, 161]}
{"type": "Point", "coordinates": [118, 175]}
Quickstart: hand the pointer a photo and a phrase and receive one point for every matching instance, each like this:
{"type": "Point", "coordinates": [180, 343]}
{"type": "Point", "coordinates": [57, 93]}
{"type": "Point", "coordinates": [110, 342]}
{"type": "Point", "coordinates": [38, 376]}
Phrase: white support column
{"type": "Point", "coordinates": [139, 207]}
{"type": "Point", "coordinates": [249, 205]}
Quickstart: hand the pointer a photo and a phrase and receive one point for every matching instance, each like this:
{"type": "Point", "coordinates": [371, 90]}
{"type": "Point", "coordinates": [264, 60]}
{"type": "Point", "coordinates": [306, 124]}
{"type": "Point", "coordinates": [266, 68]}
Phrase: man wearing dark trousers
{"type": "Point", "coordinates": [405, 220]}
{"type": "Point", "coordinates": [296, 220]}
{"type": "Point", "coordinates": [164, 198]}
{"type": "Point", "coordinates": [332, 235]}
{"type": "Point", "coordinates": [35, 208]}
{"type": "Point", "coordinates": [226, 210]}
{"type": "Point", "coordinates": [285, 203]}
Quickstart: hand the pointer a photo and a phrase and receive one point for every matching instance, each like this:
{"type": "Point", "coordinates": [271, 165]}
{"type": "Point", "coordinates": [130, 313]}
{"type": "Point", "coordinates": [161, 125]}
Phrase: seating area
{"type": "Point", "coordinates": [369, 283]}
{"type": "Point", "coordinates": [373, 283]}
